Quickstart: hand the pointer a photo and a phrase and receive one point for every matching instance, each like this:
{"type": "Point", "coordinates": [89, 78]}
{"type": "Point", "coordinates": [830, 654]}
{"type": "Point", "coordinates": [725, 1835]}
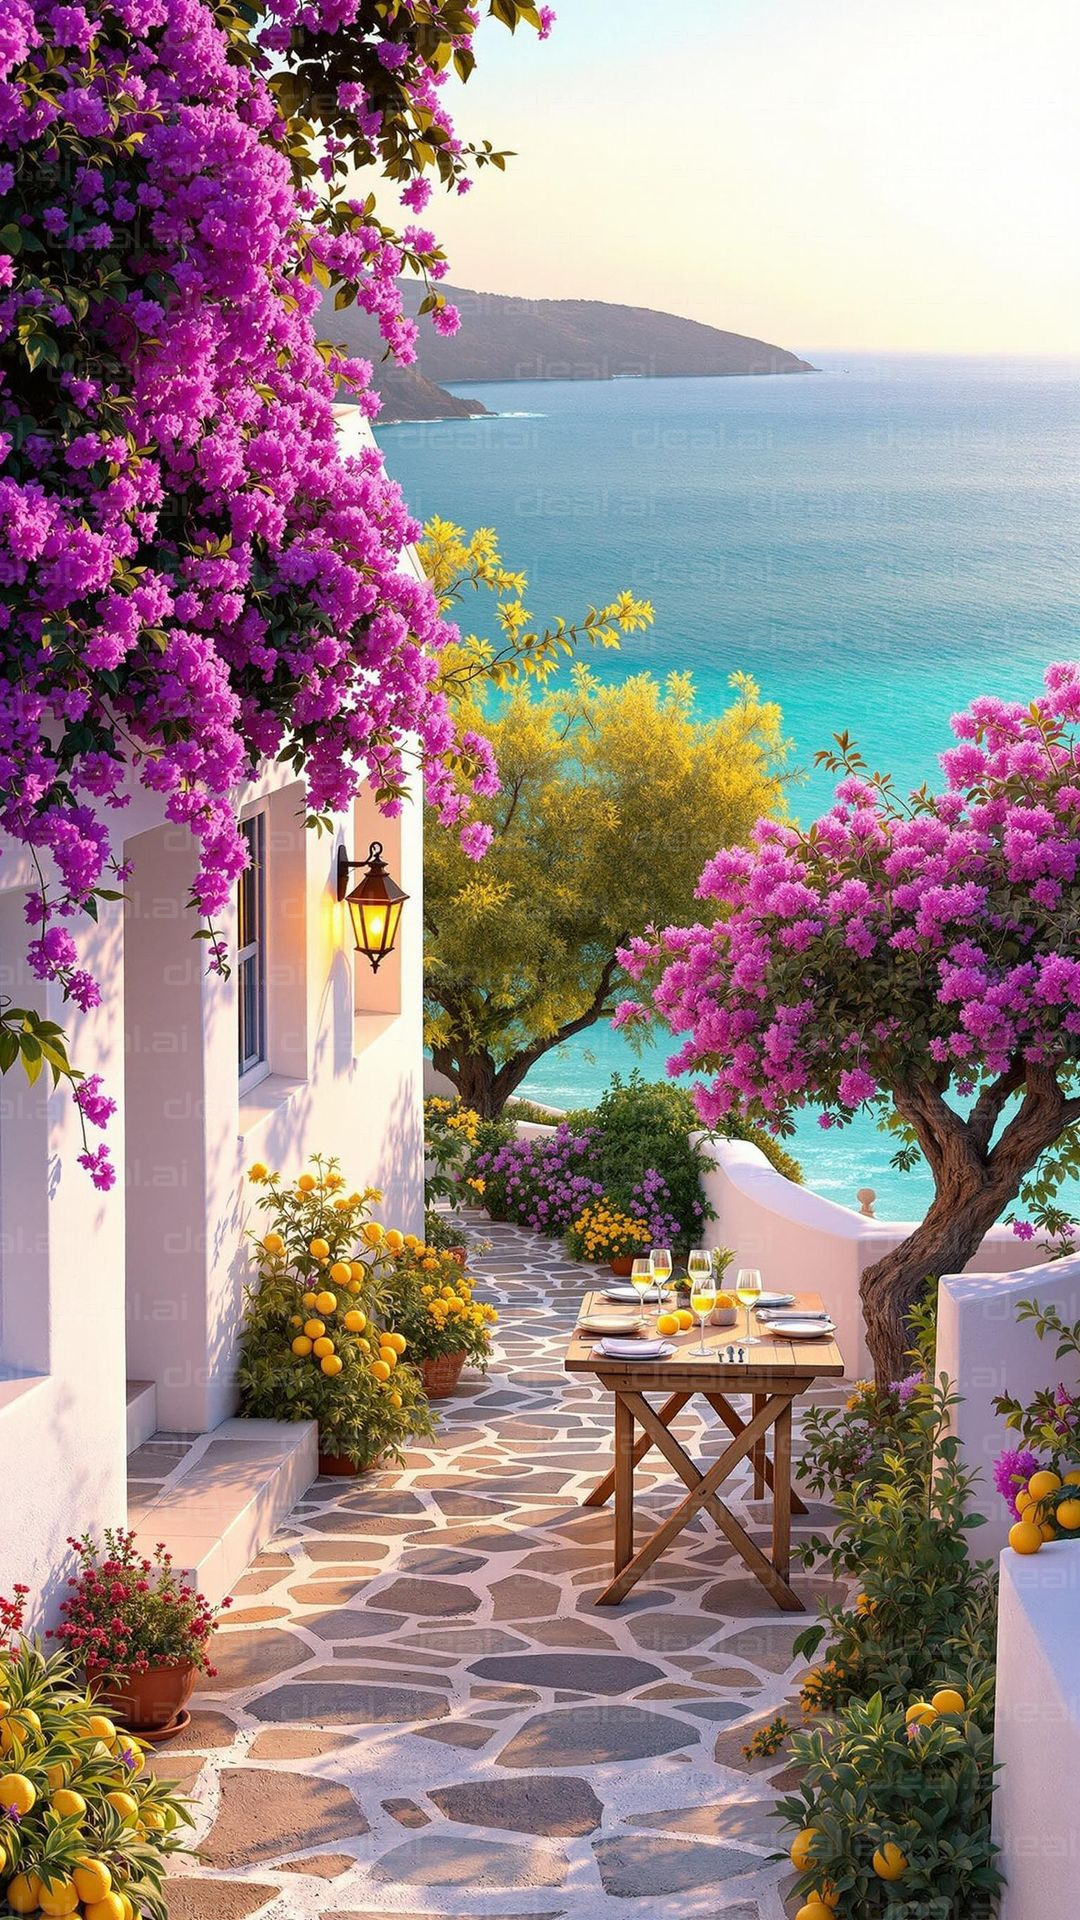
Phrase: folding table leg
{"type": "Point", "coordinates": [624, 1483]}
{"type": "Point", "coordinates": [603, 1490]}
{"type": "Point", "coordinates": [759, 1453]}
{"type": "Point", "coordinates": [781, 1532]}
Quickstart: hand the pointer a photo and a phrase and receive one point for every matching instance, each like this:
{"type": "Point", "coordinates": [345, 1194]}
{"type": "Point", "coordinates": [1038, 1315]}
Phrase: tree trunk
{"type": "Point", "coordinates": [480, 1084]}
{"type": "Point", "coordinates": [973, 1184]}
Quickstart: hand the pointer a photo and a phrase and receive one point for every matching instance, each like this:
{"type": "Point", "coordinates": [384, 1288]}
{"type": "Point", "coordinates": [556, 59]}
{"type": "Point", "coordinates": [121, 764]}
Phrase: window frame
{"type": "Point", "coordinates": [254, 1067]}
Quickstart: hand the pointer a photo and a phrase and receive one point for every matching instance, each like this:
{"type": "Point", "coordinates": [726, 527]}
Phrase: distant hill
{"type": "Point", "coordinates": [506, 338]}
{"type": "Point", "coordinates": [407, 394]}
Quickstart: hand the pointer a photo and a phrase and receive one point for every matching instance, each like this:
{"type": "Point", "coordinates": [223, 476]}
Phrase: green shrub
{"type": "Point", "coordinates": [644, 1157]}
{"type": "Point", "coordinates": [760, 1137]}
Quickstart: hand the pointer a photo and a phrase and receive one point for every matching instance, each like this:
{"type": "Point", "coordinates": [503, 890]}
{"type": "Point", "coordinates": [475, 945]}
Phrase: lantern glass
{"type": "Point", "coordinates": [375, 910]}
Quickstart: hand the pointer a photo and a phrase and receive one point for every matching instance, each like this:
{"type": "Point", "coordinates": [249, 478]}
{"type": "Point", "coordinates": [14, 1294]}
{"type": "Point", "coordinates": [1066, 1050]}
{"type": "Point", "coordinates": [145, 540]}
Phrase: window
{"type": "Point", "coordinates": [251, 949]}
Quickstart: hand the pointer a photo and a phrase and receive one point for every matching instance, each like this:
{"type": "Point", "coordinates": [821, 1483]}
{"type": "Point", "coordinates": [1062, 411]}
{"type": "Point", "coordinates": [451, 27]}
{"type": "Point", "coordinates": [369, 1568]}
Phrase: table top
{"type": "Point", "coordinates": [769, 1358]}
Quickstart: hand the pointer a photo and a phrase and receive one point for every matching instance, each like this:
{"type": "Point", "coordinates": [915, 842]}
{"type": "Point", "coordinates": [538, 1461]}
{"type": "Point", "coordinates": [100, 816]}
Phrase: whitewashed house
{"type": "Point", "coordinates": [119, 1312]}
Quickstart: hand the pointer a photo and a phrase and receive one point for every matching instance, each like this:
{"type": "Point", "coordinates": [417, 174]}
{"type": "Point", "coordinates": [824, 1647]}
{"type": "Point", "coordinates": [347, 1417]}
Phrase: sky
{"type": "Point", "coordinates": [820, 173]}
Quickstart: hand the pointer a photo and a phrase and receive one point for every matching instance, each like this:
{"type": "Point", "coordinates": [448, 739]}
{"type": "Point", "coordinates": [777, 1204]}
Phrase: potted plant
{"type": "Point", "coordinates": [445, 1232]}
{"type": "Point", "coordinates": [80, 1820]}
{"type": "Point", "coordinates": [140, 1633]}
{"type": "Point", "coordinates": [603, 1232]}
{"type": "Point", "coordinates": [431, 1303]}
{"type": "Point", "coordinates": [316, 1344]}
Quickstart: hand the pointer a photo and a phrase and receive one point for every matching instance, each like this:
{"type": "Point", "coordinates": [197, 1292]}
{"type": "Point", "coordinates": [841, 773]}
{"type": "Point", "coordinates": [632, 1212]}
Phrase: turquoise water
{"type": "Point", "coordinates": [876, 543]}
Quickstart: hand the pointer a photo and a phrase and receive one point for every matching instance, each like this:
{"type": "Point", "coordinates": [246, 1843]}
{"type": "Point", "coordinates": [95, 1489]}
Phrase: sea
{"type": "Point", "coordinates": [875, 543]}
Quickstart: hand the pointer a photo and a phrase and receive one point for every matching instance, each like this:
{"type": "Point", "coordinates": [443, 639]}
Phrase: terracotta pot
{"type": "Point", "coordinates": [623, 1265]}
{"type": "Point", "coordinates": [144, 1702]}
{"type": "Point", "coordinates": [441, 1376]}
{"type": "Point", "coordinates": [460, 1254]}
{"type": "Point", "coordinates": [339, 1463]}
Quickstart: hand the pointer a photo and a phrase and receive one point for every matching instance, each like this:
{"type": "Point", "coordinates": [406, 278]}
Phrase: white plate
{"type": "Point", "coordinates": [794, 1329]}
{"type": "Point", "coordinates": [623, 1294]}
{"type": "Point", "coordinates": [635, 1349]}
{"type": "Point", "coordinates": [774, 1299]}
{"type": "Point", "coordinates": [609, 1323]}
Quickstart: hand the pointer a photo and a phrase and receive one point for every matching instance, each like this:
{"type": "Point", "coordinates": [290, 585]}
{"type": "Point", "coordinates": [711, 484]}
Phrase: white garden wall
{"type": "Point", "coordinates": [1037, 1733]}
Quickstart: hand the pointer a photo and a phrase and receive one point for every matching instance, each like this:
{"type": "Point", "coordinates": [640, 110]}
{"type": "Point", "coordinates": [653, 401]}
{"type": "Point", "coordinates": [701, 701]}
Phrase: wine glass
{"type": "Point", "coordinates": [702, 1289]}
{"type": "Point", "coordinates": [641, 1279]}
{"type": "Point", "coordinates": [660, 1261]}
{"type": "Point", "coordinates": [748, 1289]}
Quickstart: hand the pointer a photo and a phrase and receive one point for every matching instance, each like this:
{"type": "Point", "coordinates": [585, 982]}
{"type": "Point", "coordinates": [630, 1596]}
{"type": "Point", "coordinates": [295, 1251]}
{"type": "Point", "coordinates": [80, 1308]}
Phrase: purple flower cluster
{"type": "Point", "coordinates": [542, 1182]}
{"type": "Point", "coordinates": [891, 933]}
{"type": "Point", "coordinates": [193, 577]}
{"type": "Point", "coordinates": [1012, 1470]}
{"type": "Point", "coordinates": [650, 1201]}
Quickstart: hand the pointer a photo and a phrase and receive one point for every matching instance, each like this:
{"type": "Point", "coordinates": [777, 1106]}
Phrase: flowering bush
{"type": "Point", "coordinates": [193, 578]}
{"type": "Point", "coordinates": [316, 1341]}
{"type": "Point", "coordinates": [602, 1232]}
{"type": "Point", "coordinates": [916, 956]}
{"type": "Point", "coordinates": [542, 1182]}
{"type": "Point", "coordinates": [451, 1139]}
{"type": "Point", "coordinates": [128, 1611]}
{"type": "Point", "coordinates": [77, 1822]}
{"type": "Point", "coordinates": [430, 1301]}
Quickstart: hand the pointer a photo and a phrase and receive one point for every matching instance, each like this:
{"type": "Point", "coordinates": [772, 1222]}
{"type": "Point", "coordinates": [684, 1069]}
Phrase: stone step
{"type": "Point", "coordinates": [141, 1412]}
{"type": "Point", "coordinates": [216, 1498]}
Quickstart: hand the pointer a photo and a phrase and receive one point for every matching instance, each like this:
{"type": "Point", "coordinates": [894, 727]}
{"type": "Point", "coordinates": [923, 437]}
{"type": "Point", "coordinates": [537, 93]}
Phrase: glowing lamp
{"type": "Point", "coordinates": [374, 906]}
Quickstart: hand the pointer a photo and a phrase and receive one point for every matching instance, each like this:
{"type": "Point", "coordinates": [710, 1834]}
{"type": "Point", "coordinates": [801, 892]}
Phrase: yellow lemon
{"type": "Point", "coordinates": [301, 1346]}
{"type": "Point", "coordinates": [395, 1240]}
{"type": "Point", "coordinates": [395, 1400]}
{"type": "Point", "coordinates": [306, 1183]}
{"type": "Point", "coordinates": [323, 1347]}
{"type": "Point", "coordinates": [355, 1320]}
{"type": "Point", "coordinates": [130, 1752]}
{"type": "Point", "coordinates": [395, 1340]}
{"type": "Point", "coordinates": [380, 1370]}
{"type": "Point", "coordinates": [308, 1300]}
{"type": "Point", "coordinates": [153, 1819]}
{"type": "Point", "coordinates": [1046, 1530]}
{"type": "Point", "coordinates": [24, 1893]}
{"type": "Point", "coordinates": [685, 1319]}
{"type": "Point", "coordinates": [667, 1323]}
{"type": "Point", "coordinates": [801, 1848]}
{"type": "Point", "coordinates": [314, 1329]}
{"type": "Point", "coordinates": [1025, 1537]}
{"type": "Point", "coordinates": [341, 1273]}
{"type": "Point", "coordinates": [67, 1802]}
{"type": "Point", "coordinates": [948, 1700]}
{"type": "Point", "coordinates": [257, 1171]}
{"type": "Point", "coordinates": [920, 1713]}
{"type": "Point", "coordinates": [1043, 1483]}
{"type": "Point", "coordinates": [319, 1249]}
{"type": "Point", "coordinates": [1068, 1514]}
{"type": "Point", "coordinates": [354, 1287]}
{"type": "Point", "coordinates": [814, 1909]}
{"type": "Point", "coordinates": [326, 1302]}
{"type": "Point", "coordinates": [125, 1804]}
{"type": "Point", "coordinates": [17, 1792]}
{"type": "Point", "coordinates": [1023, 1502]}
{"type": "Point", "coordinates": [295, 1320]}
{"type": "Point", "coordinates": [58, 1897]}
{"type": "Point", "coordinates": [888, 1861]}
{"type": "Point", "coordinates": [372, 1232]}
{"type": "Point", "coordinates": [1072, 1478]}
{"type": "Point", "coordinates": [93, 1879]}
{"type": "Point", "coordinates": [23, 1726]}
{"type": "Point", "coordinates": [827, 1896]}
{"type": "Point", "coordinates": [331, 1363]}
{"type": "Point", "coordinates": [273, 1243]}
{"type": "Point", "coordinates": [356, 1268]}
{"type": "Point", "coordinates": [111, 1908]}
{"type": "Point", "coordinates": [388, 1355]}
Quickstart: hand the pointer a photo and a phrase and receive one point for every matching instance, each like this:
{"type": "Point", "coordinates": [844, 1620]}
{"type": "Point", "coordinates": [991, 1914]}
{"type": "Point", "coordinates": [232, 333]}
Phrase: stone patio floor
{"type": "Point", "coordinates": [419, 1712]}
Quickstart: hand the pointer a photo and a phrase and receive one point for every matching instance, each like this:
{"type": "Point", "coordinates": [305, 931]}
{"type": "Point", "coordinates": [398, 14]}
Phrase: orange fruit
{"type": "Point", "coordinates": [395, 1400]}
{"type": "Point", "coordinates": [125, 1804]}
{"type": "Point", "coordinates": [1047, 1530]}
{"type": "Point", "coordinates": [1068, 1514]}
{"type": "Point", "coordinates": [685, 1319]}
{"type": "Point", "coordinates": [921, 1714]}
{"type": "Point", "coordinates": [380, 1370]}
{"type": "Point", "coordinates": [110, 1908]}
{"type": "Point", "coordinates": [667, 1323]}
{"type": "Point", "coordinates": [67, 1802]}
{"type": "Point", "coordinates": [372, 1232]}
{"type": "Point", "coordinates": [1023, 1502]}
{"type": "Point", "coordinates": [395, 1240]}
{"type": "Point", "coordinates": [319, 1249]}
{"type": "Point", "coordinates": [314, 1329]}
{"type": "Point", "coordinates": [326, 1302]}
{"type": "Point", "coordinates": [1072, 1478]}
{"type": "Point", "coordinates": [1043, 1483]}
{"type": "Point", "coordinates": [93, 1880]}
{"type": "Point", "coordinates": [948, 1700]}
{"type": "Point", "coordinates": [24, 1893]}
{"type": "Point", "coordinates": [58, 1897]}
{"type": "Point", "coordinates": [1025, 1537]}
{"type": "Point", "coordinates": [309, 1299]}
{"type": "Point", "coordinates": [301, 1346]}
{"type": "Point", "coordinates": [801, 1848]}
{"type": "Point", "coordinates": [341, 1273]}
{"type": "Point", "coordinates": [17, 1792]}
{"type": "Point", "coordinates": [355, 1320]}
{"type": "Point", "coordinates": [273, 1243]}
{"type": "Point", "coordinates": [356, 1268]}
{"type": "Point", "coordinates": [322, 1347]}
{"type": "Point", "coordinates": [331, 1363]}
{"type": "Point", "coordinates": [814, 1909]}
{"type": "Point", "coordinates": [395, 1340]}
{"type": "Point", "coordinates": [388, 1355]}
{"type": "Point", "coordinates": [888, 1861]}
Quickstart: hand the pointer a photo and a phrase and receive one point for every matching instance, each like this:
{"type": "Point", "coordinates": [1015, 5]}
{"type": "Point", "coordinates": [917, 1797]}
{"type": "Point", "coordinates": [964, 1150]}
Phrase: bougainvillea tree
{"type": "Point", "coordinates": [917, 957]}
{"type": "Point", "coordinates": [192, 577]}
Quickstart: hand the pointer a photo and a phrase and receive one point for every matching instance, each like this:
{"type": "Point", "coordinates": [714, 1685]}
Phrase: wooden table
{"type": "Point", "coordinates": [775, 1372]}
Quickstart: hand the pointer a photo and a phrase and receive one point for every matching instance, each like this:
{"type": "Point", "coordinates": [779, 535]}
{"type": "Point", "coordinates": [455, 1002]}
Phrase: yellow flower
{"type": "Point", "coordinates": [257, 1172]}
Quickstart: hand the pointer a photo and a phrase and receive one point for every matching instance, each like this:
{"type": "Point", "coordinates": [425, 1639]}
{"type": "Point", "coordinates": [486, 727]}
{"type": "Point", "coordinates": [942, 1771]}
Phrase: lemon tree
{"type": "Point", "coordinates": [317, 1343]}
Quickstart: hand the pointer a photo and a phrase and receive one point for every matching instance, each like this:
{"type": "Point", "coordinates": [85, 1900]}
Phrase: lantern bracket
{"type": "Point", "coordinates": [345, 866]}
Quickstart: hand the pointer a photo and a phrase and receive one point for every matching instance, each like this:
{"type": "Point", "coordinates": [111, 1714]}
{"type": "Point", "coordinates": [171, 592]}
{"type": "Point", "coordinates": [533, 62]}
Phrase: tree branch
{"type": "Point", "coordinates": [987, 1110]}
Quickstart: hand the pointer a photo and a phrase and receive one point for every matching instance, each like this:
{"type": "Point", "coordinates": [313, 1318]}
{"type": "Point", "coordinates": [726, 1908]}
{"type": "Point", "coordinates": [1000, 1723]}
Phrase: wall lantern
{"type": "Point", "coordinates": [375, 905]}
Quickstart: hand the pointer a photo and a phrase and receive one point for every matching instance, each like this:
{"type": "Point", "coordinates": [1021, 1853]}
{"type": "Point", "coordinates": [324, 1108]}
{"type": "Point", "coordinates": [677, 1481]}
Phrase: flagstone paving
{"type": "Point", "coordinates": [419, 1712]}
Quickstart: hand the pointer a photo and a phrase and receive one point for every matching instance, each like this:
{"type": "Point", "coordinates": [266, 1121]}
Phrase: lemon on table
{"type": "Point", "coordinates": [667, 1323]}
{"type": "Point", "coordinates": [725, 1302]}
{"type": "Point", "coordinates": [888, 1861]}
{"type": "Point", "coordinates": [685, 1319]}
{"type": "Point", "coordinates": [1025, 1537]}
{"type": "Point", "coordinates": [948, 1700]}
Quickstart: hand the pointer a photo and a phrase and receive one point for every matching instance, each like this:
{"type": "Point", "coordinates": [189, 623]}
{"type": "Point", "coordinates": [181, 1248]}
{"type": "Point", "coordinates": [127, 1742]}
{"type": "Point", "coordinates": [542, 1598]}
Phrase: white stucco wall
{"type": "Point", "coordinates": [1037, 1732]}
